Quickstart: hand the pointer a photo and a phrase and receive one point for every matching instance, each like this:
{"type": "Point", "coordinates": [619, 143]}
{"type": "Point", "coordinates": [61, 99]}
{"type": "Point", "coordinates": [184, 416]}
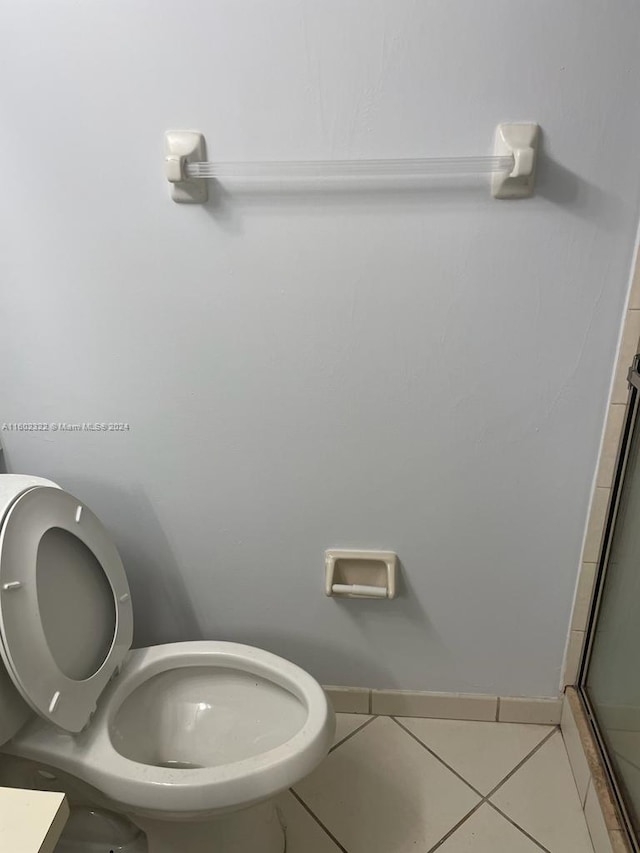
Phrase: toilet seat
{"type": "Point", "coordinates": [59, 573]}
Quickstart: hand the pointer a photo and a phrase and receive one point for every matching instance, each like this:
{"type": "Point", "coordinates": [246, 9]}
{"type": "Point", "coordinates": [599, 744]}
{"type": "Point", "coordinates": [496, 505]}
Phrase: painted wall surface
{"type": "Point", "coordinates": [425, 372]}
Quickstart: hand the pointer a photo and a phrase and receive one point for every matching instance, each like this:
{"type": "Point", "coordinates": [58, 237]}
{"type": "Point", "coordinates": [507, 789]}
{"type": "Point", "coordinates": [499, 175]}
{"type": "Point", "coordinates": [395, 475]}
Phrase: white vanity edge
{"type": "Point", "coordinates": [31, 821]}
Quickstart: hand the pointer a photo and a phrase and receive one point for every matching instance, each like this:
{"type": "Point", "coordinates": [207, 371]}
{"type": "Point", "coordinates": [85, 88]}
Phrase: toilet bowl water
{"type": "Point", "coordinates": [191, 741]}
{"type": "Point", "coordinates": [198, 717]}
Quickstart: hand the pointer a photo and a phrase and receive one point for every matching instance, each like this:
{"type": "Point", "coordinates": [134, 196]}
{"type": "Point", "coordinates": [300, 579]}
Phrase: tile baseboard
{"type": "Point", "coordinates": [600, 809]}
{"type": "Point", "coordinates": [349, 700]}
{"type": "Point", "coordinates": [539, 711]}
{"type": "Point", "coordinates": [445, 706]}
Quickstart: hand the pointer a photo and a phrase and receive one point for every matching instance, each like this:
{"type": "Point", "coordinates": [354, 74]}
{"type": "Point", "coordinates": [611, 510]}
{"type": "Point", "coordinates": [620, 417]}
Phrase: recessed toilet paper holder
{"type": "Point", "coordinates": [361, 574]}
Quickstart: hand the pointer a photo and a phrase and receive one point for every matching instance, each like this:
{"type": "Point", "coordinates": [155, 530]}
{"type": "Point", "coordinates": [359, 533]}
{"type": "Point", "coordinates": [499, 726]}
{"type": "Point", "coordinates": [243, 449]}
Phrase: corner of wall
{"type": "Point", "coordinates": [628, 342]}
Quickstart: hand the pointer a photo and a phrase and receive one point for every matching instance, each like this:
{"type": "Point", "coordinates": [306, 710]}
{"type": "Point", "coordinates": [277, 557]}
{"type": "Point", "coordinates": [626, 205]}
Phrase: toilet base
{"type": "Point", "coordinates": [253, 830]}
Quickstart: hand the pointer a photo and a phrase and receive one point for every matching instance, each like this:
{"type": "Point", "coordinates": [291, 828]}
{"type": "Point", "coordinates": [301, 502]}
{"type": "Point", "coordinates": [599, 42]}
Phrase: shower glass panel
{"type": "Point", "coordinates": [610, 680]}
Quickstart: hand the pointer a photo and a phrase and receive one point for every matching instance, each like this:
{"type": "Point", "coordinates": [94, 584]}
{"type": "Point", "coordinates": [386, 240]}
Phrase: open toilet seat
{"type": "Point", "coordinates": [178, 734]}
{"type": "Point", "coordinates": [66, 621]}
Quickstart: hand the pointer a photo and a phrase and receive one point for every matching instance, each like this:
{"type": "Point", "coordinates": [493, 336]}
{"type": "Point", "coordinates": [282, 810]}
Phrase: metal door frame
{"type": "Point", "coordinates": [631, 417]}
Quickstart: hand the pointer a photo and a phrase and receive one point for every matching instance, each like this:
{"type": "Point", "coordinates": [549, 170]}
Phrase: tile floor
{"type": "Point", "coordinates": [393, 785]}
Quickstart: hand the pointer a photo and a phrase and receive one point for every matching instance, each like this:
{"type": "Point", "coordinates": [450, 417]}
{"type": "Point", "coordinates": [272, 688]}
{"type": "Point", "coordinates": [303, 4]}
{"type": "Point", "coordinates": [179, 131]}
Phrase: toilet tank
{"type": "Point", "coordinates": [14, 711]}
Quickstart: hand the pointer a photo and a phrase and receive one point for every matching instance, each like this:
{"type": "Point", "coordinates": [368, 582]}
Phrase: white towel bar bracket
{"type": "Point", "coordinates": [512, 166]}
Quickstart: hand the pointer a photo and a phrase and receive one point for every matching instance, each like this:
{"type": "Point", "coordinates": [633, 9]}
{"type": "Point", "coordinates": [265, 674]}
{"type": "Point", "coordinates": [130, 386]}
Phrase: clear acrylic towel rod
{"type": "Point", "coordinates": [512, 166]}
{"type": "Point", "coordinates": [356, 169]}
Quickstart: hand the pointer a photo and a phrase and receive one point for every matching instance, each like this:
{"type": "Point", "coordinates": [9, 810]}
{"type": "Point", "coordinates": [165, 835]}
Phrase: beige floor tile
{"type": "Point", "coordinates": [488, 832]}
{"type": "Point", "coordinates": [483, 753]}
{"type": "Point", "coordinates": [304, 835]}
{"type": "Point", "coordinates": [542, 798]}
{"type": "Point", "coordinates": [348, 723]}
{"type": "Point", "coordinates": [381, 792]}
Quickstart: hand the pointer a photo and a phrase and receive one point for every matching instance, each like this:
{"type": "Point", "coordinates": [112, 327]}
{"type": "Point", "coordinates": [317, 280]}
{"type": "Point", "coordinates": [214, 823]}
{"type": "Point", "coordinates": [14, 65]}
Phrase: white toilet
{"type": "Point", "coordinates": [190, 741]}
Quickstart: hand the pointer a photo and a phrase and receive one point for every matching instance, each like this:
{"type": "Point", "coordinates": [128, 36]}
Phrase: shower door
{"type": "Point", "coordinates": [610, 674]}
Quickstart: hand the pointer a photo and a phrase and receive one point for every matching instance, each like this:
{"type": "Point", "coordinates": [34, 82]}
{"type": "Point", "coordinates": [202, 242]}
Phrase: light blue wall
{"type": "Point", "coordinates": [420, 372]}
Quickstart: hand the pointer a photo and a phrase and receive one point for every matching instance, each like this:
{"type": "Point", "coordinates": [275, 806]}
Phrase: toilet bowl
{"type": "Point", "coordinates": [191, 741]}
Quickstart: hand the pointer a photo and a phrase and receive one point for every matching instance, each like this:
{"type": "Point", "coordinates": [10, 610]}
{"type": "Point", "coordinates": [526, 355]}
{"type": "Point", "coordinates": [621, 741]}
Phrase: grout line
{"type": "Point", "coordinates": [554, 729]}
{"type": "Point", "coordinates": [318, 821]}
{"type": "Point", "coordinates": [485, 797]}
{"type": "Point", "coordinates": [370, 701]}
{"type": "Point", "coordinates": [351, 734]}
{"type": "Point", "coordinates": [497, 709]}
{"type": "Point", "coordinates": [517, 826]}
{"type": "Point", "coordinates": [483, 802]}
{"type": "Point", "coordinates": [455, 828]}
{"type": "Point", "coordinates": [435, 755]}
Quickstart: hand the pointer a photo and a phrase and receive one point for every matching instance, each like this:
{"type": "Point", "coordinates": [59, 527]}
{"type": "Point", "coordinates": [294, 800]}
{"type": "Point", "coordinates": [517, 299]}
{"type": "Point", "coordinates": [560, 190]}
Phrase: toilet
{"type": "Point", "coordinates": [188, 743]}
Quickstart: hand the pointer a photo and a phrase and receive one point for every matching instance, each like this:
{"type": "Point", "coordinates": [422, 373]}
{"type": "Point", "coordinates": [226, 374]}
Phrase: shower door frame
{"type": "Point", "coordinates": [630, 423]}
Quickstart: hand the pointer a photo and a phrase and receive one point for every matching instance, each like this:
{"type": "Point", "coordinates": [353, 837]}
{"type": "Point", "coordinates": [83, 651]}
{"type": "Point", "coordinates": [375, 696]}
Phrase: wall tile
{"type": "Point", "coordinates": [611, 441]}
{"type": "Point", "coordinates": [630, 337]}
{"type": "Point", "coordinates": [595, 527]}
{"type": "Point", "coordinates": [634, 297]}
{"type": "Point", "coordinates": [582, 603]}
{"type": "Point", "coordinates": [574, 653]}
